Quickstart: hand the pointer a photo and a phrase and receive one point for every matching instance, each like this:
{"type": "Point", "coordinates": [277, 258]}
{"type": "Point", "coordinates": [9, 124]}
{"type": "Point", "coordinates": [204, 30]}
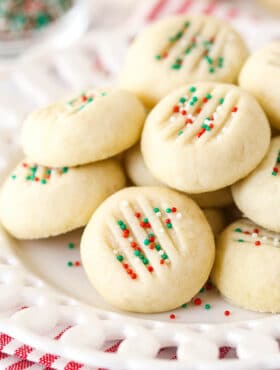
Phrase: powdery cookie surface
{"type": "Point", "coordinates": [154, 245]}
{"type": "Point", "coordinates": [261, 77]}
{"type": "Point", "coordinates": [273, 5]}
{"type": "Point", "coordinates": [247, 266]}
{"type": "Point", "coordinates": [38, 202]}
{"type": "Point", "coordinates": [204, 137]}
{"type": "Point", "coordinates": [258, 195]}
{"type": "Point", "coordinates": [179, 50]}
{"type": "Point", "coordinates": [139, 174]}
{"type": "Point", "coordinates": [95, 125]}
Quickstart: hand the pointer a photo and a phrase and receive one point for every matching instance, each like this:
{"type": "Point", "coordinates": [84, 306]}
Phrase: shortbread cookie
{"type": "Point", "coordinates": [204, 137]}
{"type": "Point", "coordinates": [247, 266]}
{"type": "Point", "coordinates": [95, 125]}
{"type": "Point", "coordinates": [261, 77]}
{"type": "Point", "coordinates": [258, 195]}
{"type": "Point", "coordinates": [216, 219]}
{"type": "Point", "coordinates": [273, 5]}
{"type": "Point", "coordinates": [139, 174]}
{"type": "Point", "coordinates": [154, 245]}
{"type": "Point", "coordinates": [180, 50]}
{"type": "Point", "coordinates": [38, 202]}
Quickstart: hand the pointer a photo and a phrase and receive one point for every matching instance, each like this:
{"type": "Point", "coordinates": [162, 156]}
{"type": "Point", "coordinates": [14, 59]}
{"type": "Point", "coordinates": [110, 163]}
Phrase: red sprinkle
{"type": "Point", "coordinates": [256, 231]}
{"type": "Point", "coordinates": [184, 112]}
{"type": "Point", "coordinates": [211, 125]}
{"type": "Point", "coordinates": [126, 233]}
{"type": "Point", "coordinates": [77, 263]}
{"type": "Point", "coordinates": [172, 316]}
{"type": "Point", "coordinates": [275, 169]}
{"type": "Point", "coordinates": [198, 110]}
{"type": "Point", "coordinates": [24, 164]}
{"type": "Point", "coordinates": [205, 100]}
{"type": "Point", "coordinates": [168, 221]}
{"type": "Point", "coordinates": [150, 268]}
{"type": "Point", "coordinates": [137, 214]}
{"type": "Point", "coordinates": [257, 243]}
{"type": "Point", "coordinates": [164, 54]}
{"type": "Point", "coordinates": [197, 301]}
{"type": "Point", "coordinates": [174, 209]}
{"type": "Point", "coordinates": [162, 262]}
{"type": "Point", "coordinates": [151, 238]}
{"type": "Point", "coordinates": [227, 313]}
{"type": "Point", "coordinates": [208, 286]}
{"type": "Point", "coordinates": [152, 246]}
{"type": "Point", "coordinates": [37, 179]}
{"type": "Point", "coordinates": [125, 265]}
{"type": "Point", "coordinates": [84, 98]}
{"type": "Point", "coordinates": [133, 244]}
{"type": "Point", "coordinates": [176, 109]}
{"type": "Point", "coordinates": [189, 120]}
{"type": "Point", "coordinates": [201, 132]}
{"type": "Point", "coordinates": [247, 232]}
{"type": "Point", "coordinates": [234, 109]}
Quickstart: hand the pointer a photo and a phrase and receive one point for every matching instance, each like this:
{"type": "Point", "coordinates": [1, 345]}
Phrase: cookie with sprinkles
{"type": "Point", "coordinates": [148, 249]}
{"type": "Point", "coordinates": [140, 175]}
{"type": "Point", "coordinates": [179, 50]}
{"type": "Point", "coordinates": [204, 137]}
{"type": "Point", "coordinates": [247, 266]}
{"type": "Point", "coordinates": [258, 195]}
{"type": "Point", "coordinates": [92, 126]}
{"type": "Point", "coordinates": [260, 76]}
{"type": "Point", "coordinates": [38, 201]}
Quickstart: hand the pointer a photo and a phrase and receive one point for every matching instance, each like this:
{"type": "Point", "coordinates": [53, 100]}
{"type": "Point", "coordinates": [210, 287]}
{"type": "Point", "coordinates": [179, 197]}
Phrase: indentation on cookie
{"type": "Point", "coordinates": [191, 46]}
{"type": "Point", "coordinates": [276, 166]}
{"type": "Point", "coordinates": [198, 113]}
{"type": "Point", "coordinates": [247, 232]}
{"type": "Point", "coordinates": [40, 174]}
{"type": "Point", "coordinates": [274, 58]}
{"type": "Point", "coordinates": [83, 100]}
{"type": "Point", "coordinates": [142, 236]}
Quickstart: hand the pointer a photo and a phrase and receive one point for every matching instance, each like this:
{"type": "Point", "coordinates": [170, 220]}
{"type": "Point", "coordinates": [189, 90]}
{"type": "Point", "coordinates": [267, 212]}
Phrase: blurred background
{"type": "Point", "coordinates": [51, 48]}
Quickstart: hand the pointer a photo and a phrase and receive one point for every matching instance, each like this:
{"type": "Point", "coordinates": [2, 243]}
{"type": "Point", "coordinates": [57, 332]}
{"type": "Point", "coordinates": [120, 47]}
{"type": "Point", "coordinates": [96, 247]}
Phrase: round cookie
{"type": "Point", "coordinates": [204, 137]}
{"type": "Point", "coordinates": [258, 195]}
{"type": "Point", "coordinates": [260, 76]}
{"type": "Point", "coordinates": [179, 50]}
{"type": "Point", "coordinates": [216, 219]}
{"type": "Point", "coordinates": [139, 174]}
{"type": "Point", "coordinates": [95, 125]}
{"type": "Point", "coordinates": [247, 266]}
{"type": "Point", "coordinates": [38, 202]}
{"type": "Point", "coordinates": [273, 5]}
{"type": "Point", "coordinates": [155, 245]}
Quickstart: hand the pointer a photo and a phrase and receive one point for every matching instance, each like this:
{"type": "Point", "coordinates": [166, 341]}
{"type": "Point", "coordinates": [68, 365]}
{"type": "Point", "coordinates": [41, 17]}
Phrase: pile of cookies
{"type": "Point", "coordinates": [190, 138]}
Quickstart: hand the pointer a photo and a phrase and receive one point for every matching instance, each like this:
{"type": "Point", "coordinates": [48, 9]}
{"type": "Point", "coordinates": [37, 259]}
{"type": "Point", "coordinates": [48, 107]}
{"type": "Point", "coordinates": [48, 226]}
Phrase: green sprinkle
{"type": "Point", "coordinates": [221, 60]}
{"type": "Point", "coordinates": [42, 20]}
{"type": "Point", "coordinates": [145, 261]}
{"type": "Point", "coordinates": [158, 57]}
{"type": "Point", "coordinates": [211, 69]}
{"type": "Point", "coordinates": [179, 35]}
{"type": "Point", "coordinates": [123, 226]}
{"type": "Point", "coordinates": [64, 169]}
{"type": "Point", "coordinates": [169, 226]}
{"type": "Point", "coordinates": [221, 101]}
{"type": "Point", "coordinates": [104, 93]}
{"type": "Point", "coordinates": [119, 222]}
{"type": "Point", "coordinates": [49, 172]}
{"type": "Point", "coordinates": [192, 89]}
{"type": "Point", "coordinates": [207, 306]}
{"type": "Point", "coordinates": [240, 240]}
{"type": "Point", "coordinates": [142, 257]}
{"type": "Point", "coordinates": [185, 305]}
{"type": "Point", "coordinates": [151, 235]}
{"type": "Point", "coordinates": [180, 133]}
{"type": "Point", "coordinates": [238, 230]}
{"type": "Point", "coordinates": [69, 263]}
{"type": "Point", "coordinates": [156, 210]}
{"type": "Point", "coordinates": [208, 96]}
{"type": "Point", "coordinates": [168, 210]}
{"type": "Point", "coordinates": [195, 98]}
{"type": "Point", "coordinates": [90, 100]}
{"type": "Point", "coordinates": [188, 50]}
{"type": "Point", "coordinates": [201, 290]}
{"type": "Point", "coordinates": [274, 173]}
{"type": "Point", "coordinates": [278, 160]}
{"type": "Point", "coordinates": [120, 258]}
{"type": "Point", "coordinates": [13, 177]}
{"type": "Point", "coordinates": [158, 247]}
{"type": "Point", "coordinates": [187, 24]}
{"type": "Point", "coordinates": [137, 253]}
{"type": "Point", "coordinates": [182, 100]}
{"type": "Point", "coordinates": [43, 181]}
{"type": "Point", "coordinates": [176, 66]}
{"type": "Point", "coordinates": [28, 177]}
{"type": "Point", "coordinates": [146, 241]}
{"type": "Point", "coordinates": [71, 245]}
{"type": "Point", "coordinates": [164, 256]}
{"type": "Point", "coordinates": [208, 59]}
{"type": "Point", "coordinates": [146, 220]}
{"type": "Point", "coordinates": [33, 169]}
